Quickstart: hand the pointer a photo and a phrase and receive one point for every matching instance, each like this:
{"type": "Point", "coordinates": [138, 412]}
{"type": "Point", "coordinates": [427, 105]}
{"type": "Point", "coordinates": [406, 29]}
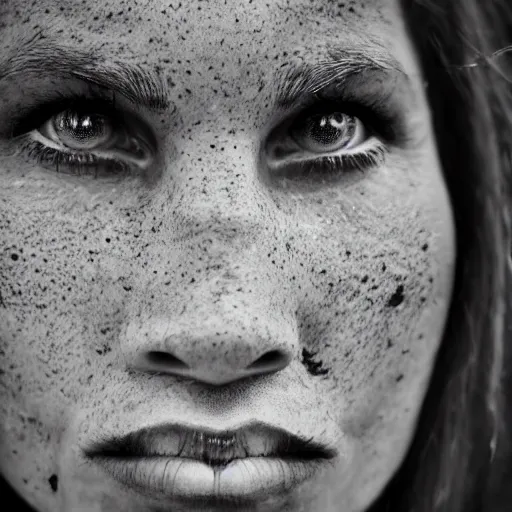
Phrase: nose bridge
{"type": "Point", "coordinates": [223, 194]}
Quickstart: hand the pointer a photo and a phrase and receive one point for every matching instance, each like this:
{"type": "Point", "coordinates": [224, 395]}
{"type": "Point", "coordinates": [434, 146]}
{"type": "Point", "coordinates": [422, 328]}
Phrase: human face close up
{"type": "Point", "coordinates": [145, 292]}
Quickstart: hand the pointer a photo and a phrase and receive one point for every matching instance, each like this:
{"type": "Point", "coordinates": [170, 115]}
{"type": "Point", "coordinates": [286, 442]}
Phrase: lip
{"type": "Point", "coordinates": [219, 467]}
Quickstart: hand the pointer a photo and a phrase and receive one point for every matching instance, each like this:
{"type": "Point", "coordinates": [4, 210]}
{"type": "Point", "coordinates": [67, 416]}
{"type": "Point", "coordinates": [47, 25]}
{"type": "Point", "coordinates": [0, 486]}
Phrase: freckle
{"type": "Point", "coordinates": [397, 298]}
{"type": "Point", "coordinates": [424, 247]}
{"type": "Point", "coordinates": [399, 378]}
{"type": "Point", "coordinates": [384, 267]}
{"type": "Point", "coordinates": [390, 344]}
{"type": "Point", "coordinates": [54, 481]}
{"type": "Point", "coordinates": [364, 279]}
{"type": "Point", "coordinates": [14, 257]}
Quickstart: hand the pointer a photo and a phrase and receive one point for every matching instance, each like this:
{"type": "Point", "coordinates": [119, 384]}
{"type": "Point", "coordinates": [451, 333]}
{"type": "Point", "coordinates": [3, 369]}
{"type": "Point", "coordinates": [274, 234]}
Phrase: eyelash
{"type": "Point", "coordinates": [334, 164]}
{"type": "Point", "coordinates": [78, 161]}
{"type": "Point", "coordinates": [86, 164]}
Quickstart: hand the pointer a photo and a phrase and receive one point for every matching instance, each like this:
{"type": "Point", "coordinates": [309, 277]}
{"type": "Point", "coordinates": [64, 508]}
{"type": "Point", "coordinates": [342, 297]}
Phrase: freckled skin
{"type": "Point", "coordinates": [215, 265]}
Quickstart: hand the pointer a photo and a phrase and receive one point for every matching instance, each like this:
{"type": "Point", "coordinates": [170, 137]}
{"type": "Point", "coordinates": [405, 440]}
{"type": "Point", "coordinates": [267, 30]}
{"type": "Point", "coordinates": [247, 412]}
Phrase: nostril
{"type": "Point", "coordinates": [164, 359]}
{"type": "Point", "coordinates": [270, 360]}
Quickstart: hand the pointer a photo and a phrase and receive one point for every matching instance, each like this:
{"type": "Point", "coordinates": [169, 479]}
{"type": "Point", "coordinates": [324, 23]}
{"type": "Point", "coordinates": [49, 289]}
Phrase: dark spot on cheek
{"type": "Point", "coordinates": [312, 367]}
{"type": "Point", "coordinates": [424, 247]}
{"type": "Point", "coordinates": [14, 257]}
{"type": "Point", "coordinates": [105, 350]}
{"type": "Point", "coordinates": [399, 378]}
{"type": "Point", "coordinates": [364, 279]}
{"type": "Point", "coordinates": [397, 298]}
{"type": "Point", "coordinates": [54, 481]}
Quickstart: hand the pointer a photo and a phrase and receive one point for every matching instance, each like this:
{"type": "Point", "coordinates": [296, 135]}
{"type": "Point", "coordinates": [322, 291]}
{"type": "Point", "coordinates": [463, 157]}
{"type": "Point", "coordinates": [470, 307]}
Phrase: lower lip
{"type": "Point", "coordinates": [248, 480]}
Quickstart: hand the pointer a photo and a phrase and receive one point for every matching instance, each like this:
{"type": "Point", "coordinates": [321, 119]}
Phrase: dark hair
{"type": "Point", "coordinates": [455, 461]}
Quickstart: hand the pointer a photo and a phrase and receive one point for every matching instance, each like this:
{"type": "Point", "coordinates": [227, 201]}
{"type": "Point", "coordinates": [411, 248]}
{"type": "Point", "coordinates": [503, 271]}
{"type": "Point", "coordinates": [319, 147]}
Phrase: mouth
{"type": "Point", "coordinates": [195, 467]}
{"type": "Point", "coordinates": [214, 448]}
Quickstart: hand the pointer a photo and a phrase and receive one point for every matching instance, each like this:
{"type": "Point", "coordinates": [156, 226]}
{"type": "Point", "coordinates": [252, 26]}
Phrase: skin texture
{"type": "Point", "coordinates": [212, 261]}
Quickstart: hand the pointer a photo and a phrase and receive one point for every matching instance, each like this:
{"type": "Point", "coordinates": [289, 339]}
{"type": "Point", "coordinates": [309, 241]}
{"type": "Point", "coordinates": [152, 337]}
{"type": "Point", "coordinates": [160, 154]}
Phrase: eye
{"type": "Point", "coordinates": [79, 129]}
{"type": "Point", "coordinates": [327, 139]}
{"type": "Point", "coordinates": [324, 133]}
{"type": "Point", "coordinates": [83, 136]}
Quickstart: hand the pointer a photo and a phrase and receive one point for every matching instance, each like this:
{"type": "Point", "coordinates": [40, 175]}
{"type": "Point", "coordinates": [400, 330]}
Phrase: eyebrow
{"type": "Point", "coordinates": [146, 87]}
{"type": "Point", "coordinates": [141, 86]}
{"type": "Point", "coordinates": [341, 63]}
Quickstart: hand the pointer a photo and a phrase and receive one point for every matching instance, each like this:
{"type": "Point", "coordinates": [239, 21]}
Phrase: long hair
{"type": "Point", "coordinates": [456, 458]}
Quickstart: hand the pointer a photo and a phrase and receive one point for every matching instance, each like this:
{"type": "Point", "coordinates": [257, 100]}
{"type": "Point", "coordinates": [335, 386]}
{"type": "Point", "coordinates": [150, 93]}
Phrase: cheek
{"type": "Point", "coordinates": [56, 291]}
{"type": "Point", "coordinates": [381, 272]}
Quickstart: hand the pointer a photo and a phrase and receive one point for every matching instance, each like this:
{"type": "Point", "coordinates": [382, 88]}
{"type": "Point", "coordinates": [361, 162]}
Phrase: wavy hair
{"type": "Point", "coordinates": [456, 460]}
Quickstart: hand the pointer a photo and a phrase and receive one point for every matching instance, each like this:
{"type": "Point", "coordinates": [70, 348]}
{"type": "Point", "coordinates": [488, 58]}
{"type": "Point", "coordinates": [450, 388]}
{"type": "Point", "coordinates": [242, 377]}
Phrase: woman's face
{"type": "Point", "coordinates": [237, 180]}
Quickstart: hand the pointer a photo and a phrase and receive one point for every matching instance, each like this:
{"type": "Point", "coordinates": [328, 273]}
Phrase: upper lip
{"type": "Point", "coordinates": [252, 439]}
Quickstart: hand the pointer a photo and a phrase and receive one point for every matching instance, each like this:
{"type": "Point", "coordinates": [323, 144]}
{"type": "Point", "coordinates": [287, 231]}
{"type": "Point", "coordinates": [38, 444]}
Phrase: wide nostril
{"type": "Point", "coordinates": [165, 360]}
{"type": "Point", "coordinates": [167, 363]}
{"type": "Point", "coordinates": [270, 360]}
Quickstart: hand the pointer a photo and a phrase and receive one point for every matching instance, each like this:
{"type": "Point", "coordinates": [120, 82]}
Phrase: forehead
{"type": "Point", "coordinates": [158, 29]}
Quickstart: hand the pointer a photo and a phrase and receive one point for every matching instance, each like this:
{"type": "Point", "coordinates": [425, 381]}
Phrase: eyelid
{"type": "Point", "coordinates": [379, 106]}
{"type": "Point", "coordinates": [281, 149]}
{"type": "Point", "coordinates": [33, 117]}
{"type": "Point", "coordinates": [122, 120]}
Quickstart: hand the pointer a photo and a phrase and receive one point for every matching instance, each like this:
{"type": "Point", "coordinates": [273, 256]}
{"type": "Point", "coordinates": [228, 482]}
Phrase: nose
{"type": "Point", "coordinates": [212, 351]}
{"type": "Point", "coordinates": [228, 328]}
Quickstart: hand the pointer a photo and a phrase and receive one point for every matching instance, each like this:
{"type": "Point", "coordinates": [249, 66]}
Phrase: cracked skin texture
{"type": "Point", "coordinates": [208, 259]}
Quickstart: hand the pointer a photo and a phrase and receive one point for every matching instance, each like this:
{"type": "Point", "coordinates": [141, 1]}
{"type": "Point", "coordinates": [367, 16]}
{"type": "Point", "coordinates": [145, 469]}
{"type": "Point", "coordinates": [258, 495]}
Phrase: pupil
{"type": "Point", "coordinates": [84, 126]}
{"type": "Point", "coordinates": [82, 130]}
{"type": "Point", "coordinates": [329, 129]}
